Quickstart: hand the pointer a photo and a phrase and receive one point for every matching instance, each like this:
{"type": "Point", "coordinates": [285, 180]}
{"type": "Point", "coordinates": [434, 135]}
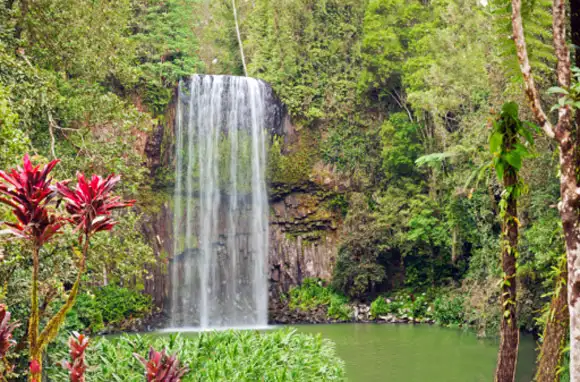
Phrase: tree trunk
{"type": "Point", "coordinates": [563, 133]}
{"type": "Point", "coordinates": [510, 335]}
{"type": "Point", "coordinates": [34, 316]}
{"type": "Point", "coordinates": [555, 332]}
{"type": "Point", "coordinates": [575, 29]}
{"type": "Point", "coordinates": [568, 207]}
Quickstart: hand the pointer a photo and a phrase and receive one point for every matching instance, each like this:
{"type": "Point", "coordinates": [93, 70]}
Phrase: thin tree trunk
{"type": "Point", "coordinates": [555, 332]}
{"type": "Point", "coordinates": [35, 356]}
{"type": "Point", "coordinates": [510, 334]}
{"type": "Point", "coordinates": [239, 37]}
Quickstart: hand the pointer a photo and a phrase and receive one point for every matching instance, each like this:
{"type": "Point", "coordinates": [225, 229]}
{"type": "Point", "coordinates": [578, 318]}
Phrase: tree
{"type": "Point", "coordinates": [29, 192]}
{"type": "Point", "coordinates": [507, 160]}
{"type": "Point", "coordinates": [564, 134]}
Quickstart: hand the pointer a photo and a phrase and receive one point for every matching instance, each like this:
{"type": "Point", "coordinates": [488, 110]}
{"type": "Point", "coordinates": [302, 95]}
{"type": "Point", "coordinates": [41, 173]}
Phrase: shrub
{"type": "Point", "coordinates": [77, 368]}
{"type": "Point", "coordinates": [117, 304]}
{"type": "Point", "coordinates": [282, 355]}
{"type": "Point", "coordinates": [160, 367]}
{"type": "Point", "coordinates": [380, 307]}
{"type": "Point", "coordinates": [448, 310]}
{"type": "Point", "coordinates": [86, 314]}
{"type": "Point", "coordinates": [313, 294]}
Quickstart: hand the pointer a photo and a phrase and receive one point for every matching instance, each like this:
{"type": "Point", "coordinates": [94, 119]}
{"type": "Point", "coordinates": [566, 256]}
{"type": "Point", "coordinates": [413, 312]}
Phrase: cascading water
{"type": "Point", "coordinates": [218, 272]}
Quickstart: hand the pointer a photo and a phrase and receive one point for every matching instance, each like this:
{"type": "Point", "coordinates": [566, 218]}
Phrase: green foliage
{"type": "Point", "coordinates": [86, 315]}
{"type": "Point", "coordinates": [14, 141]}
{"type": "Point", "coordinates": [507, 153]}
{"type": "Point", "coordinates": [537, 22]}
{"type": "Point", "coordinates": [117, 304]}
{"type": "Point", "coordinates": [360, 268]}
{"type": "Point", "coordinates": [166, 47]}
{"type": "Point", "coordinates": [281, 355]}
{"type": "Point", "coordinates": [280, 34]}
{"type": "Point", "coordinates": [293, 167]}
{"type": "Point", "coordinates": [380, 307]}
{"type": "Point", "coordinates": [448, 310]}
{"type": "Point", "coordinates": [312, 294]}
{"type": "Point", "coordinates": [571, 96]}
{"type": "Point", "coordinates": [108, 308]}
{"type": "Point", "coordinates": [387, 36]}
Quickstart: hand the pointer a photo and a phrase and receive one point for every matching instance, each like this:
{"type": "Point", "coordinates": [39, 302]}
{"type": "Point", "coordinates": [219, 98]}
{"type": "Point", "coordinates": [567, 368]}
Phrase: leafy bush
{"type": "Point", "coordinates": [283, 355]}
{"type": "Point", "coordinates": [313, 294]}
{"type": "Point", "coordinates": [362, 267]}
{"type": "Point", "coordinates": [448, 310]}
{"type": "Point", "coordinates": [106, 307]}
{"type": "Point", "coordinates": [380, 307]}
{"type": "Point", "coordinates": [117, 303]}
{"type": "Point", "coordinates": [85, 315]}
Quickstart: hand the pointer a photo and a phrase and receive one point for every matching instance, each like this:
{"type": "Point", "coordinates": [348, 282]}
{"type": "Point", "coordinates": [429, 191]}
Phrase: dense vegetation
{"type": "Point", "coordinates": [218, 356]}
{"type": "Point", "coordinates": [404, 113]}
{"type": "Point", "coordinates": [398, 96]}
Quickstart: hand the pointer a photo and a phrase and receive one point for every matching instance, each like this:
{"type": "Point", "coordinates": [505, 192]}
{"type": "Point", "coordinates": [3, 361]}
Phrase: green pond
{"type": "Point", "coordinates": [420, 353]}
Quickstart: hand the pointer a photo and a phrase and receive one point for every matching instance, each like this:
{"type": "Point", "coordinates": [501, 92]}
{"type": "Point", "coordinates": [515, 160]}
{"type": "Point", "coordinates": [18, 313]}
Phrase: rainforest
{"type": "Point", "coordinates": [291, 190]}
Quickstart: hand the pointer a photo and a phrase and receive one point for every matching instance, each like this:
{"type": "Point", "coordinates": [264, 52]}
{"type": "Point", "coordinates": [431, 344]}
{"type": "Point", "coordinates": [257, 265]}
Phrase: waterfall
{"type": "Point", "coordinates": [218, 270]}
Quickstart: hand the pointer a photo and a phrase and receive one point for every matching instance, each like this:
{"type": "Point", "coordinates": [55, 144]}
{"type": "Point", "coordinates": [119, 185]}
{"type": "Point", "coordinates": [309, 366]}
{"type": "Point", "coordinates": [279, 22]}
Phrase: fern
{"type": "Point", "coordinates": [537, 20]}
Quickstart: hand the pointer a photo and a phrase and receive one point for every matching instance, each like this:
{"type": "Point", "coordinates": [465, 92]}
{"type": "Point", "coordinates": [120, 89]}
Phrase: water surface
{"type": "Point", "coordinates": [421, 353]}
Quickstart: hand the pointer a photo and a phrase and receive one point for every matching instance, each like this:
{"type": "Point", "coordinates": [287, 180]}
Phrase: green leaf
{"type": "Point", "coordinates": [514, 159]}
{"type": "Point", "coordinates": [521, 150]}
{"type": "Point", "coordinates": [495, 142]}
{"type": "Point", "coordinates": [511, 109]}
{"type": "Point", "coordinates": [499, 168]}
{"type": "Point", "coordinates": [526, 133]}
{"type": "Point", "coordinates": [557, 90]}
{"type": "Point", "coordinates": [431, 159]}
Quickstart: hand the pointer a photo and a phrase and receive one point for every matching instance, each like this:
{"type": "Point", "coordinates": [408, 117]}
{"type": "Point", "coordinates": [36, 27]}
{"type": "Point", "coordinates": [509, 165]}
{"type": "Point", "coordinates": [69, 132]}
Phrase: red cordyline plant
{"type": "Point", "coordinates": [29, 191]}
{"type": "Point", "coordinates": [90, 203]}
{"type": "Point", "coordinates": [6, 342]}
{"type": "Point", "coordinates": [77, 344]}
{"type": "Point", "coordinates": [161, 367]}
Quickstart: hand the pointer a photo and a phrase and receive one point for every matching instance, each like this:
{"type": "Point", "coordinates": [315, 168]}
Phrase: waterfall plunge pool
{"type": "Point", "coordinates": [419, 353]}
{"type": "Point", "coordinates": [415, 353]}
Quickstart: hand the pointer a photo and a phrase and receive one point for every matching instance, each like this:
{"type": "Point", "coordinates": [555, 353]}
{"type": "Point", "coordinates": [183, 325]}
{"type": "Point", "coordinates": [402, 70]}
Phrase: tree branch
{"type": "Point", "coordinates": [239, 37]}
{"type": "Point", "coordinates": [526, 69]}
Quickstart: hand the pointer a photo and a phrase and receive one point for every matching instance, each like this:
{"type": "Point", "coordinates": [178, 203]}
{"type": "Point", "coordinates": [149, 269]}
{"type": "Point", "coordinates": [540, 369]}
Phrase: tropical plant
{"type": "Point", "coordinates": [6, 342]}
{"type": "Point", "coordinates": [508, 154]}
{"type": "Point", "coordinates": [244, 356]}
{"type": "Point", "coordinates": [160, 367]}
{"type": "Point", "coordinates": [29, 191]}
{"type": "Point", "coordinates": [313, 294]}
{"type": "Point", "coordinates": [77, 344]}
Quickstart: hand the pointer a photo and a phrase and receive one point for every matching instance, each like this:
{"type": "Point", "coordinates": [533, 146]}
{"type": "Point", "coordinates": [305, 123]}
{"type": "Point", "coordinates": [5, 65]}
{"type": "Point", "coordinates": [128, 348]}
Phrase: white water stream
{"type": "Point", "coordinates": [218, 273]}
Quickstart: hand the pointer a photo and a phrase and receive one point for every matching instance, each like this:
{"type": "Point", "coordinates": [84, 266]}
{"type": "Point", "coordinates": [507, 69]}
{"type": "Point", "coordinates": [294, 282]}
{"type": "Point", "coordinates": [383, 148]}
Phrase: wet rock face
{"type": "Point", "coordinates": [304, 239]}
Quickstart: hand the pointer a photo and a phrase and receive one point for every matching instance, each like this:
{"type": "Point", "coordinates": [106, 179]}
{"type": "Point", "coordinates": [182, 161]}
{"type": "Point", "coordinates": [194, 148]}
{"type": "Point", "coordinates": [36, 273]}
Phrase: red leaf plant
{"type": "Point", "coordinates": [77, 344]}
{"type": "Point", "coordinates": [28, 190]}
{"type": "Point", "coordinates": [90, 203]}
{"type": "Point", "coordinates": [161, 367]}
{"type": "Point", "coordinates": [6, 342]}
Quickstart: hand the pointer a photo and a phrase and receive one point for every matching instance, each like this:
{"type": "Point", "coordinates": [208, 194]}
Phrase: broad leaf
{"type": "Point", "coordinates": [495, 142]}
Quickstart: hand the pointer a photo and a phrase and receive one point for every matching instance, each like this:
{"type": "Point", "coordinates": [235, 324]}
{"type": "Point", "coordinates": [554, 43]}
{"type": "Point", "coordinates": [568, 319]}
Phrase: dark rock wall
{"type": "Point", "coordinates": [304, 239]}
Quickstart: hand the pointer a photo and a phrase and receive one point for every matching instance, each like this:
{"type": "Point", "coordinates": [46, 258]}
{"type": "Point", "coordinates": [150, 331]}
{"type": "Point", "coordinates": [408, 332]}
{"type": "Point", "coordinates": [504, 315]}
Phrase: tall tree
{"type": "Point", "coordinates": [565, 134]}
{"type": "Point", "coordinates": [508, 154]}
